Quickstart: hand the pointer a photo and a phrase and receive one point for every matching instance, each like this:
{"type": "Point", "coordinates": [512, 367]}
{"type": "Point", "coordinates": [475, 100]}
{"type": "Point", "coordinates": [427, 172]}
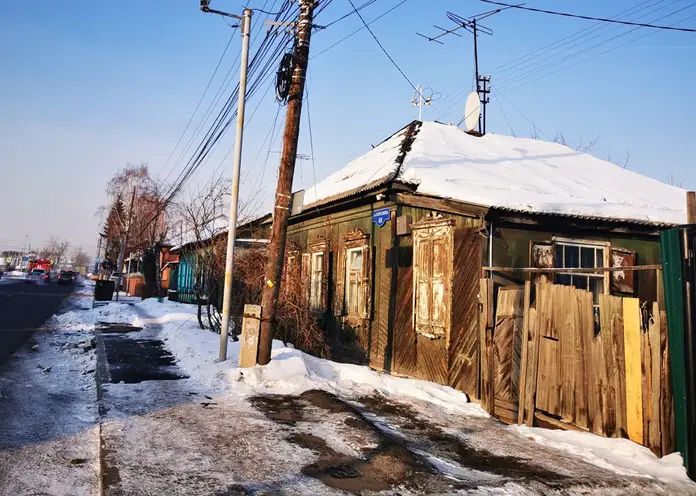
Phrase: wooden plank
{"type": "Point", "coordinates": [553, 270]}
{"type": "Point", "coordinates": [485, 289]}
{"type": "Point", "coordinates": [603, 410]}
{"type": "Point", "coordinates": [645, 379]}
{"type": "Point", "coordinates": [584, 357]}
{"type": "Point", "coordinates": [531, 382]}
{"type": "Point", "coordinates": [464, 336]}
{"type": "Point", "coordinates": [500, 403]}
{"type": "Point", "coordinates": [566, 321]}
{"type": "Point", "coordinates": [404, 353]}
{"type": "Point", "coordinates": [654, 440]}
{"type": "Point", "coordinates": [618, 366]}
{"type": "Point", "coordinates": [667, 429]}
{"type": "Point", "coordinates": [634, 404]}
{"type": "Point", "coordinates": [251, 325]}
{"type": "Point", "coordinates": [547, 422]}
{"type": "Point", "coordinates": [504, 414]}
{"type": "Point", "coordinates": [507, 343]}
{"type": "Point", "coordinates": [525, 351]}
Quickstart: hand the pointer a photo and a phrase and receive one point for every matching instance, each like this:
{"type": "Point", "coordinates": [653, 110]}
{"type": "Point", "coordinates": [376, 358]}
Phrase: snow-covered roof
{"type": "Point", "coordinates": [503, 172]}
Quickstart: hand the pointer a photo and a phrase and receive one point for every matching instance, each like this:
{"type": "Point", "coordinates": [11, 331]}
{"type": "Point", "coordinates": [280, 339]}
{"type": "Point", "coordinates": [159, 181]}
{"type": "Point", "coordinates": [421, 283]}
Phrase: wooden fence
{"type": "Point", "coordinates": [551, 358]}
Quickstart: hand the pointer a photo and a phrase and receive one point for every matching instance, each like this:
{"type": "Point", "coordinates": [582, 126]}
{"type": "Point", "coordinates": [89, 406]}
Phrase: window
{"type": "Point", "coordinates": [568, 255]}
{"type": "Point", "coordinates": [432, 276]}
{"type": "Point", "coordinates": [353, 286]}
{"type": "Point", "coordinates": [354, 266]}
{"type": "Point", "coordinates": [316, 285]}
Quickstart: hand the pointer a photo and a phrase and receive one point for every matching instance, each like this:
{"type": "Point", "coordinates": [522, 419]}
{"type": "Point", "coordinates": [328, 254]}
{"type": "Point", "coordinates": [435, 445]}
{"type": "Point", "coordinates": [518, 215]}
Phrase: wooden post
{"type": "Point", "coordinates": [691, 207]}
{"type": "Point", "coordinates": [485, 322]}
{"type": "Point", "coordinates": [251, 324]}
{"type": "Point", "coordinates": [281, 213]}
{"type": "Point", "coordinates": [523, 361]}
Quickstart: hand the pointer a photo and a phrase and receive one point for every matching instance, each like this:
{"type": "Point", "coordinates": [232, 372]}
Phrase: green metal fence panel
{"type": "Point", "coordinates": [674, 304]}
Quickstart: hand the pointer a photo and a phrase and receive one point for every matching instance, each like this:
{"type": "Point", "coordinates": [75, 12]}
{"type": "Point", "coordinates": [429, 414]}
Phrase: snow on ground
{"type": "Point", "coordinates": [49, 430]}
{"type": "Point", "coordinates": [294, 372]}
{"type": "Point", "coordinates": [618, 455]}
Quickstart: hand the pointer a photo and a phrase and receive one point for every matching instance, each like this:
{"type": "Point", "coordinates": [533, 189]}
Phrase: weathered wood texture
{"type": "Point", "coordinates": [591, 368]}
{"type": "Point", "coordinates": [486, 343]}
{"type": "Point", "coordinates": [464, 333]}
{"type": "Point", "coordinates": [507, 348]}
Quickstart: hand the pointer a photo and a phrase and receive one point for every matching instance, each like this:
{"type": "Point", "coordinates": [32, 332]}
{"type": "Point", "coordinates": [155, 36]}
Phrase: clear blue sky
{"type": "Point", "coordinates": [87, 86]}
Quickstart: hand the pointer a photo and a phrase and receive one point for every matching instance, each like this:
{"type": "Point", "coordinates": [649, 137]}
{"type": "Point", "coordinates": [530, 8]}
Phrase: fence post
{"type": "Point", "coordinates": [523, 362]}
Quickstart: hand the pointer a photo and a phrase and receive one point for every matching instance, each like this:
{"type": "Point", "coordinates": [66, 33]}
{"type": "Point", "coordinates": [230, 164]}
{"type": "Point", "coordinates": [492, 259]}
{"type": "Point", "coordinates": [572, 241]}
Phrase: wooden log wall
{"type": "Point", "coordinates": [608, 375]}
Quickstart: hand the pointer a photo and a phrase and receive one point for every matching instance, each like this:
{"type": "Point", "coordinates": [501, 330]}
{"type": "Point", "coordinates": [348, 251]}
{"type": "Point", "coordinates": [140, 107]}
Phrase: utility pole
{"type": "Point", "coordinates": [232, 228]}
{"type": "Point", "coordinates": [124, 242]}
{"type": "Point", "coordinates": [281, 213]}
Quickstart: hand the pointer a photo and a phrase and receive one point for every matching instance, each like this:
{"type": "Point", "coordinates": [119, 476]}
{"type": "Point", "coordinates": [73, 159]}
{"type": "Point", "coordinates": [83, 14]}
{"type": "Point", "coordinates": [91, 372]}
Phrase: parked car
{"type": "Point", "coordinates": [66, 277]}
{"type": "Point", "coordinates": [36, 275]}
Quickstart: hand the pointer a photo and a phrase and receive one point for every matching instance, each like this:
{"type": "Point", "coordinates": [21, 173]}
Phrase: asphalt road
{"type": "Point", "coordinates": [23, 308]}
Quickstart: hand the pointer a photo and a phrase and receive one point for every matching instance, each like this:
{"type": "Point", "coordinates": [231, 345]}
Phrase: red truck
{"type": "Point", "coordinates": [40, 263]}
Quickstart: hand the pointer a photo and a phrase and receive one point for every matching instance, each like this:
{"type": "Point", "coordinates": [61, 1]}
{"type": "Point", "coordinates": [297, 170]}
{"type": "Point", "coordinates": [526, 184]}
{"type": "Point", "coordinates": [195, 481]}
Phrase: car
{"type": "Point", "coordinates": [66, 277]}
{"type": "Point", "coordinates": [36, 275]}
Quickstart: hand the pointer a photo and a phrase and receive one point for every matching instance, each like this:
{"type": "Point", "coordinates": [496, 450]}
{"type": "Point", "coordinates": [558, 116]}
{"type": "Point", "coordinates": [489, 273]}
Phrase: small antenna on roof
{"type": "Point", "coordinates": [482, 82]}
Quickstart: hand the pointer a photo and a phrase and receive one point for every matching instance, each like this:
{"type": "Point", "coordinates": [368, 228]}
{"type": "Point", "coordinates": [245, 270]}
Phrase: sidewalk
{"type": "Point", "coordinates": [173, 421]}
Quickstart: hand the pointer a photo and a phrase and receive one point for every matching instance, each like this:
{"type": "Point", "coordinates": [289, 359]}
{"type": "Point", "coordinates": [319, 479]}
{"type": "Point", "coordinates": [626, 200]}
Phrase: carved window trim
{"type": "Point", "coordinates": [353, 240]}
{"type": "Point", "coordinates": [320, 247]}
{"type": "Point", "coordinates": [428, 233]}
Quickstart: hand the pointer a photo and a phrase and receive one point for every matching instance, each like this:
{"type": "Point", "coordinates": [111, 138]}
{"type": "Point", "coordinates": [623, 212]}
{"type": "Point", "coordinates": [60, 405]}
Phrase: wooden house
{"type": "Point", "coordinates": [394, 244]}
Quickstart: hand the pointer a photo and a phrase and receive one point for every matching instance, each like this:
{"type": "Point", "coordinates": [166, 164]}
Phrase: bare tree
{"type": "Point", "coordinates": [202, 227]}
{"type": "Point", "coordinates": [54, 250]}
{"type": "Point", "coordinates": [80, 258]}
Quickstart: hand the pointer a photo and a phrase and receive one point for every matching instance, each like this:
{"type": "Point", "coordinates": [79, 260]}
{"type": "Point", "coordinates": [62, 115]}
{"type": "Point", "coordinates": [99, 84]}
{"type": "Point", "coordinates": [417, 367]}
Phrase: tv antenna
{"type": "Point", "coordinates": [471, 25]}
{"type": "Point", "coordinates": [420, 101]}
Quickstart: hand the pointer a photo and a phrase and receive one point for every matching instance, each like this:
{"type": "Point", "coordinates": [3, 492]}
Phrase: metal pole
{"type": "Point", "coordinates": [232, 229]}
{"type": "Point", "coordinates": [283, 198]}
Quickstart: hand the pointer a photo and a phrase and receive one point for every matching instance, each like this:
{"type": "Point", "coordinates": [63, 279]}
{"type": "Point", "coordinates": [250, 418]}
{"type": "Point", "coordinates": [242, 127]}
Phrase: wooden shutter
{"type": "Point", "coordinates": [432, 276]}
{"type": "Point", "coordinates": [340, 281]}
{"type": "Point", "coordinates": [365, 286]}
{"type": "Point", "coordinates": [421, 276]}
{"type": "Point", "coordinates": [622, 281]}
{"type": "Point", "coordinates": [306, 268]}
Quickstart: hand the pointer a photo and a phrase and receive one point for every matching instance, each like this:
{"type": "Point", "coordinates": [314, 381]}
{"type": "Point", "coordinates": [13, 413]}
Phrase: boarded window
{"type": "Point", "coordinates": [432, 245]}
{"type": "Point", "coordinates": [622, 281]}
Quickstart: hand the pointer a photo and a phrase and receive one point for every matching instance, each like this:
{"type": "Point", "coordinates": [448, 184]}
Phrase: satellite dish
{"type": "Point", "coordinates": [472, 111]}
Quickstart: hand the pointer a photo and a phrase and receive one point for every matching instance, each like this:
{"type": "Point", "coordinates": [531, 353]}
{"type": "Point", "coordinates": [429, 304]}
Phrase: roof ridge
{"type": "Point", "coordinates": [406, 144]}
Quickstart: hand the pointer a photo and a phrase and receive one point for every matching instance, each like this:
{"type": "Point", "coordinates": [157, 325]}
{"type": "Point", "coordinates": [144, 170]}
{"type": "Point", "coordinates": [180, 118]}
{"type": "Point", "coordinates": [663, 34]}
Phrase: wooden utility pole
{"type": "Point", "coordinates": [691, 207]}
{"type": "Point", "coordinates": [281, 213]}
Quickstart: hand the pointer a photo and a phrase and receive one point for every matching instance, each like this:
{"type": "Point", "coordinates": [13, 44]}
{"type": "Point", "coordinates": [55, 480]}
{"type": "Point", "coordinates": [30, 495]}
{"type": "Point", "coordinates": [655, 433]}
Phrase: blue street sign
{"type": "Point", "coordinates": [381, 216]}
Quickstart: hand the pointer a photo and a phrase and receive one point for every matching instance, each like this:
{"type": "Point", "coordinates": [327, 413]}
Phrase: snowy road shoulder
{"type": "Point", "coordinates": [322, 415]}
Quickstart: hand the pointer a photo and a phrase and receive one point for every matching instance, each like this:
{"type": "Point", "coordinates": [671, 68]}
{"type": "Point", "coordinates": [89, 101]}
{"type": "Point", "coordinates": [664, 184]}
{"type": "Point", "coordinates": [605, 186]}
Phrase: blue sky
{"type": "Point", "coordinates": [87, 87]}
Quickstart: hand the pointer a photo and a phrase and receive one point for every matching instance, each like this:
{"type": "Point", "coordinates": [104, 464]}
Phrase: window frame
{"type": "Point", "coordinates": [352, 241]}
{"type": "Point", "coordinates": [584, 243]}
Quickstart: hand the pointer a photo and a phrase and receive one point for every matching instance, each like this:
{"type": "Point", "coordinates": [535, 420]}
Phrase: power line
{"type": "Point", "coordinates": [504, 114]}
{"type": "Point", "coordinates": [359, 29]}
{"type": "Point", "coordinates": [589, 18]}
{"type": "Point", "coordinates": [524, 59]}
{"type": "Point", "coordinates": [563, 58]}
{"type": "Point", "coordinates": [382, 47]}
{"type": "Point", "coordinates": [523, 116]}
{"type": "Point", "coordinates": [366, 4]}
{"type": "Point", "coordinates": [205, 92]}
{"type": "Point", "coordinates": [514, 87]}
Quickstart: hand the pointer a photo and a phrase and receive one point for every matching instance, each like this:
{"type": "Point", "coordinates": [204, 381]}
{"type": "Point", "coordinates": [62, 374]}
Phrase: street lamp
{"type": "Point", "coordinates": [29, 250]}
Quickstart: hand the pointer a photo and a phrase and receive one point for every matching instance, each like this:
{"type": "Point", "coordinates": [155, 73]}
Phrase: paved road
{"type": "Point", "coordinates": [24, 307]}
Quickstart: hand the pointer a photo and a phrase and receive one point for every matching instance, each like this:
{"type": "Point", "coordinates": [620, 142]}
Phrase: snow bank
{"type": "Point", "coordinates": [618, 455]}
{"type": "Point", "coordinates": [85, 319]}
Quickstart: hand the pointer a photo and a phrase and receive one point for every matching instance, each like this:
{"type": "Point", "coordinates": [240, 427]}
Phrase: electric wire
{"type": "Point", "coordinates": [511, 84]}
{"type": "Point", "coordinates": [590, 18]}
{"type": "Point", "coordinates": [382, 47]}
{"type": "Point", "coordinates": [565, 57]}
